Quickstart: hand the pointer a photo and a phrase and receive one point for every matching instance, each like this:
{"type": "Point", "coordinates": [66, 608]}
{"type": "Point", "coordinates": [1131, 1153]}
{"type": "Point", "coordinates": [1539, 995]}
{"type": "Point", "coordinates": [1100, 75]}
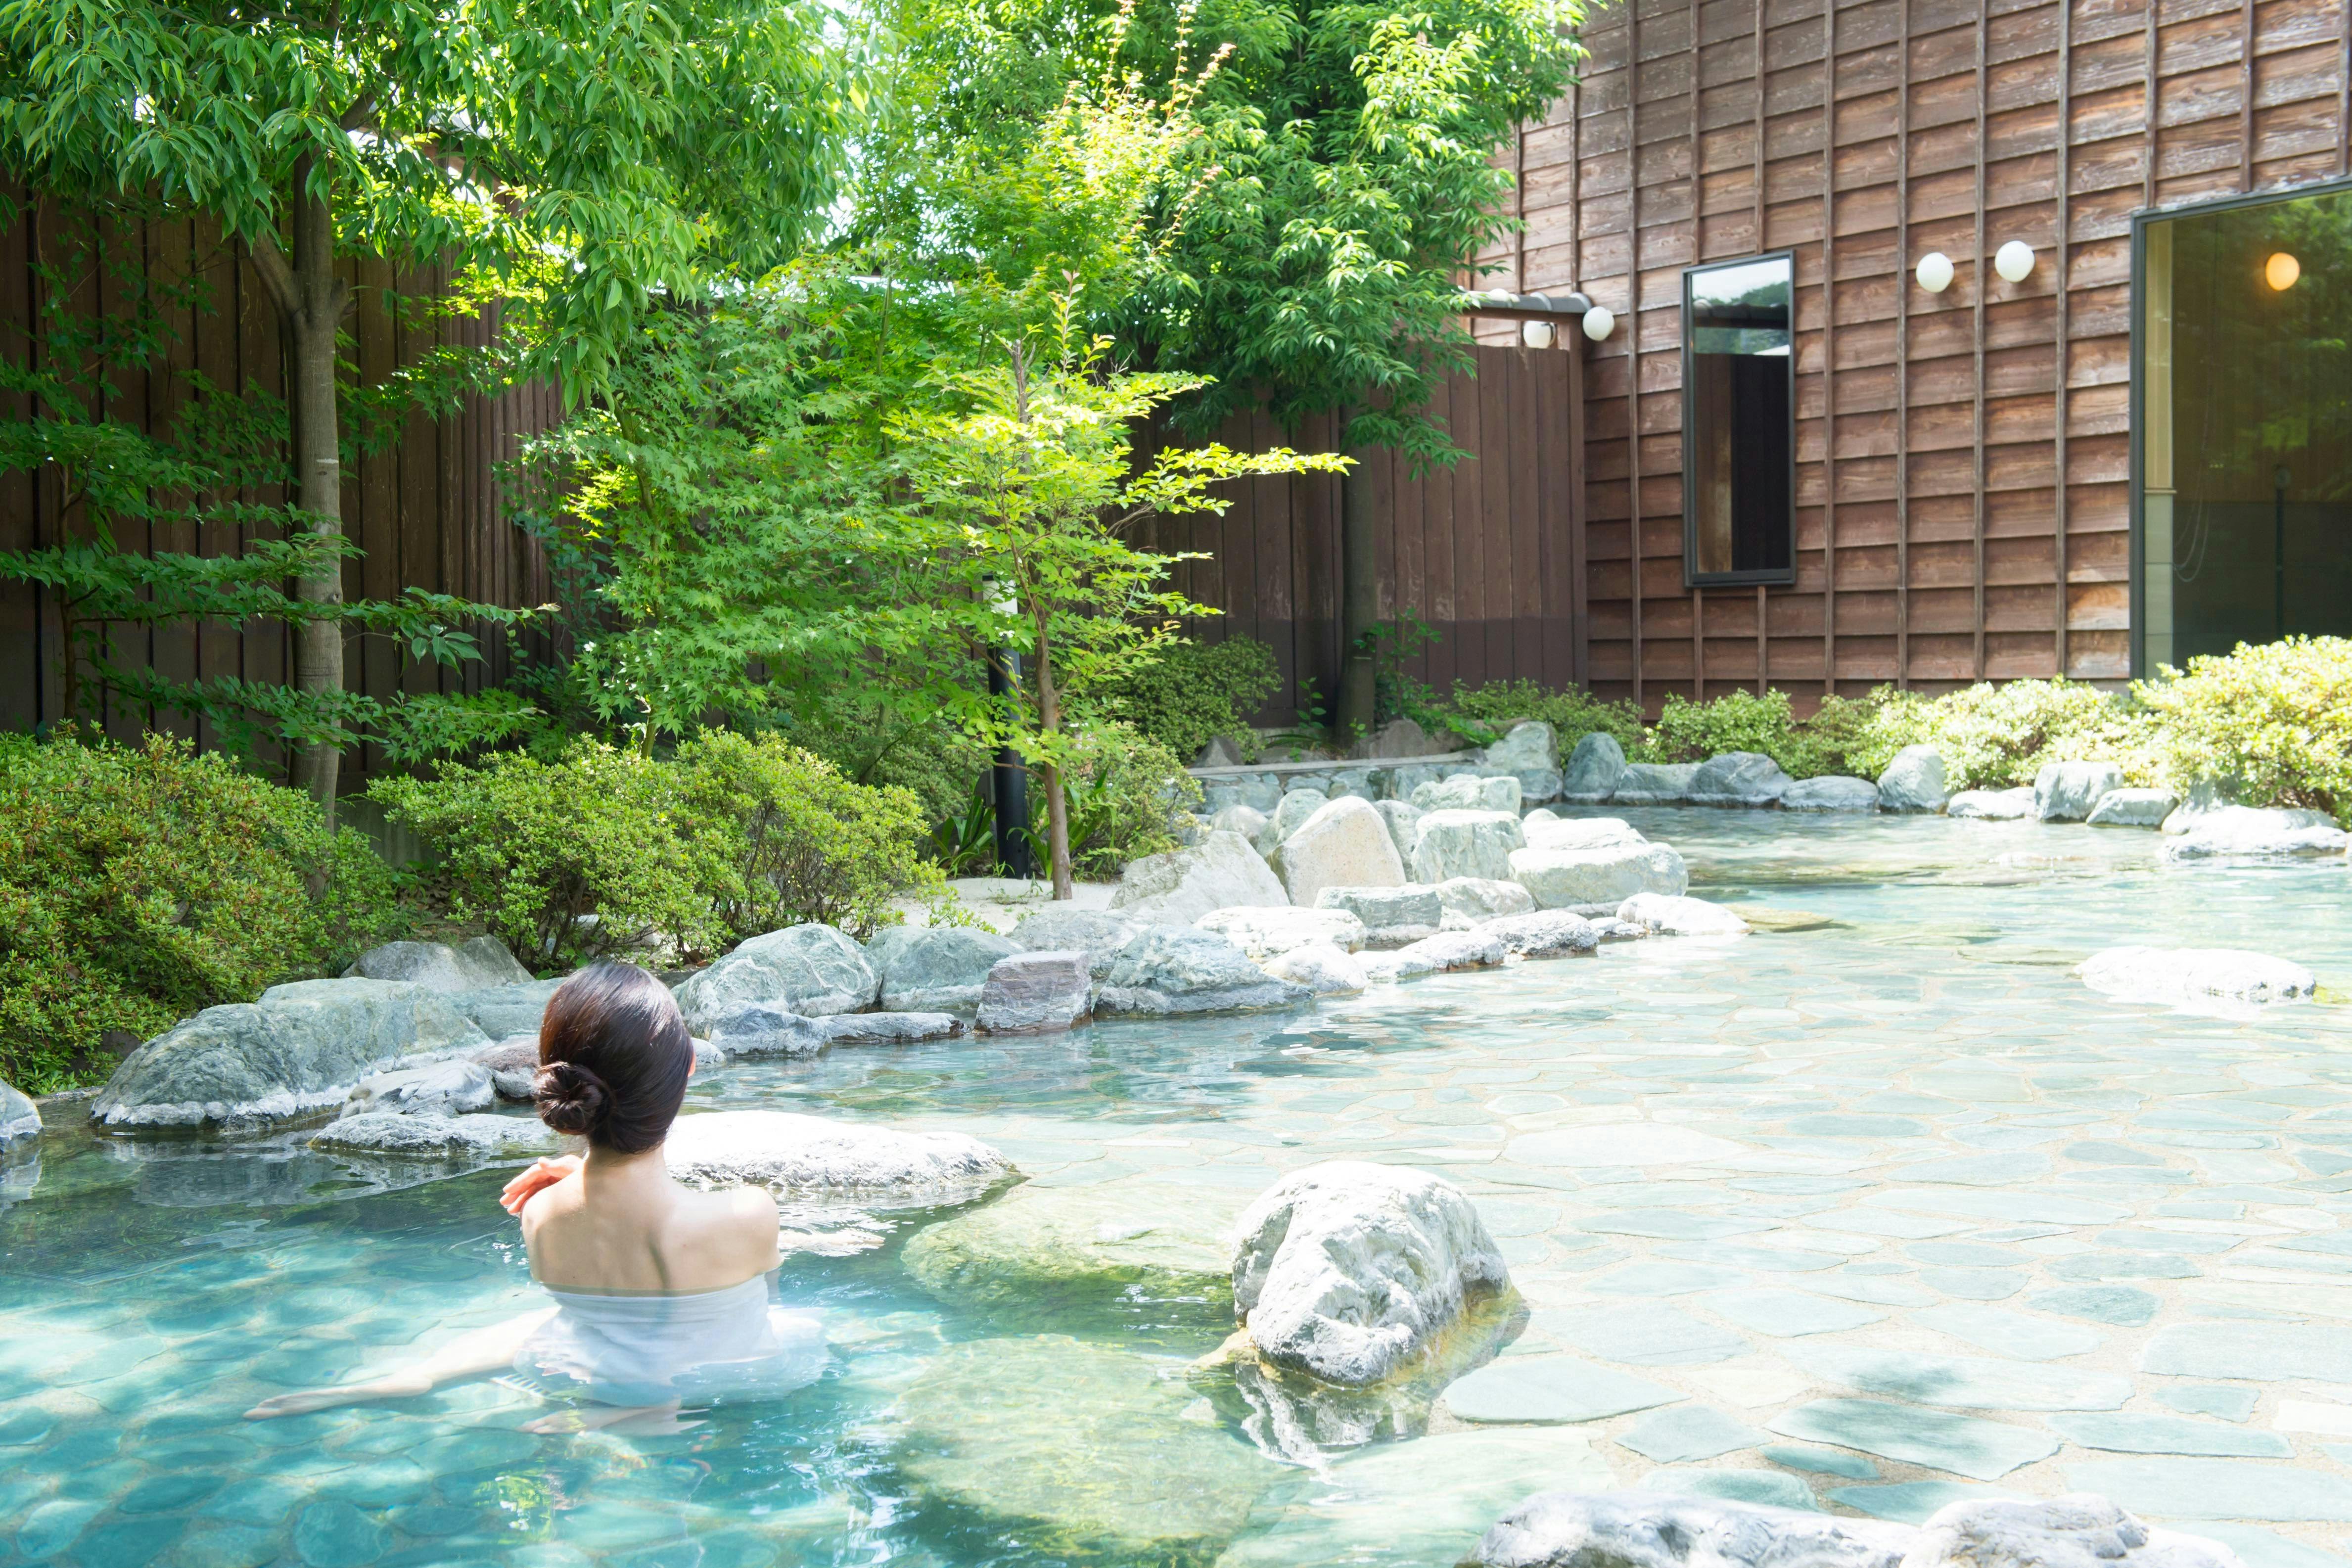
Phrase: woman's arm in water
{"type": "Point", "coordinates": [469, 1355]}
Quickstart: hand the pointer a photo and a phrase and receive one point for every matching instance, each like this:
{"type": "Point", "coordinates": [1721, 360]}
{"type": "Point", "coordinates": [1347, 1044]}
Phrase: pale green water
{"type": "Point", "coordinates": [1922, 1164]}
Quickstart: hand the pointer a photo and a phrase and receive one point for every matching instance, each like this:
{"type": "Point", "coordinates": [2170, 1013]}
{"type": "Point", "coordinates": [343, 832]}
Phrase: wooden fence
{"type": "Point", "coordinates": [1486, 553]}
{"type": "Point", "coordinates": [426, 511]}
{"type": "Point", "coordinates": [1963, 457]}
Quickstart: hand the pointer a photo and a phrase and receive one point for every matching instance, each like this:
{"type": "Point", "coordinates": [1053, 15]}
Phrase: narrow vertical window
{"type": "Point", "coordinates": [1740, 428]}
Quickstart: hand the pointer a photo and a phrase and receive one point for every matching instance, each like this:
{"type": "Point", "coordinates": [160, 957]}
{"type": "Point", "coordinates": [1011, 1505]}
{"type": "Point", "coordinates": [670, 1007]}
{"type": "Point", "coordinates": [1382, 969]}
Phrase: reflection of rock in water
{"type": "Point", "coordinates": [20, 1172]}
{"type": "Point", "coordinates": [1303, 1420]}
{"type": "Point", "coordinates": [183, 1172]}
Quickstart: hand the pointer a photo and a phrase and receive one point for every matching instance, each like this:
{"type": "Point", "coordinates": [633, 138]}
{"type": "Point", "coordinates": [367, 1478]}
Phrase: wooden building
{"type": "Point", "coordinates": [1984, 477]}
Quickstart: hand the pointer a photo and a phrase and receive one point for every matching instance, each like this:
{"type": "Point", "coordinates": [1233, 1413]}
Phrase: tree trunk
{"type": "Point", "coordinates": [1360, 605]}
{"type": "Point", "coordinates": [310, 300]}
{"type": "Point", "coordinates": [1057, 809]}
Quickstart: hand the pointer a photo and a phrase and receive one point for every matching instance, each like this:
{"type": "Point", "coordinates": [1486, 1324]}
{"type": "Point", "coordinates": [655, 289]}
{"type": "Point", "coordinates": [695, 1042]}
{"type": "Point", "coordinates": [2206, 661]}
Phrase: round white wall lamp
{"type": "Point", "coordinates": [1535, 334]}
{"type": "Point", "coordinates": [2013, 260]}
{"type": "Point", "coordinates": [1934, 272]}
{"type": "Point", "coordinates": [2280, 271]}
{"type": "Point", "coordinates": [1599, 322]}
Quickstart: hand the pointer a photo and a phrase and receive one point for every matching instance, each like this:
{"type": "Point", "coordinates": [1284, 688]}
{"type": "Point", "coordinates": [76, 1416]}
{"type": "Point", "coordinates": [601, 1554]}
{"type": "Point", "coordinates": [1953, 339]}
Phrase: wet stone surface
{"type": "Point", "coordinates": [1873, 1209]}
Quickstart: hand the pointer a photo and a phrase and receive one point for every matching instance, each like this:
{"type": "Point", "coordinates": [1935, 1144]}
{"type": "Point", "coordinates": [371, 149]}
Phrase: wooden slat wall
{"type": "Point", "coordinates": [1963, 457]}
{"type": "Point", "coordinates": [428, 512]}
{"type": "Point", "coordinates": [1485, 552]}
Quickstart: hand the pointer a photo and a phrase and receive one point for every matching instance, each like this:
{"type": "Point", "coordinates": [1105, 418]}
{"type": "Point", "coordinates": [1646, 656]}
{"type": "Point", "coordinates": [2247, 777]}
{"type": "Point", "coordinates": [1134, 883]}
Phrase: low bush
{"type": "Point", "coordinates": [1127, 794]}
{"type": "Point", "coordinates": [1690, 731]}
{"type": "Point", "coordinates": [604, 851]}
{"type": "Point", "coordinates": [1997, 737]}
{"type": "Point", "coordinates": [139, 884]}
{"type": "Point", "coordinates": [2273, 725]}
{"type": "Point", "coordinates": [1572, 714]}
{"type": "Point", "coordinates": [1193, 692]}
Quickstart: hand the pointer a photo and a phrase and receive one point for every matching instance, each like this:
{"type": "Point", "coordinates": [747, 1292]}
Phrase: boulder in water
{"type": "Point", "coordinates": [2250, 832]}
{"type": "Point", "coordinates": [1545, 831]}
{"type": "Point", "coordinates": [1915, 781]}
{"type": "Point", "coordinates": [1177, 969]}
{"type": "Point", "coordinates": [1748, 779]}
{"type": "Point", "coordinates": [1264, 933]}
{"type": "Point", "coordinates": [1992, 804]}
{"type": "Point", "coordinates": [816, 1156]}
{"type": "Point", "coordinates": [2069, 792]}
{"type": "Point", "coordinates": [1594, 771]}
{"type": "Point", "coordinates": [501, 1011]}
{"type": "Point", "coordinates": [1346, 844]}
{"type": "Point", "coordinates": [2184, 976]}
{"type": "Point", "coordinates": [1544, 933]}
{"type": "Point", "coordinates": [1473, 900]}
{"type": "Point", "coordinates": [1658, 915]}
{"type": "Point", "coordinates": [934, 969]}
{"type": "Point", "coordinates": [475, 964]}
{"type": "Point", "coordinates": [2133, 808]}
{"type": "Point", "coordinates": [1346, 1270]}
{"type": "Point", "coordinates": [1470, 791]}
{"type": "Point", "coordinates": [442, 1088]}
{"type": "Point", "coordinates": [19, 1116]}
{"type": "Point", "coordinates": [1596, 881]}
{"type": "Point", "coordinates": [431, 1135]}
{"type": "Point", "coordinates": [1032, 991]}
{"type": "Point", "coordinates": [1654, 783]}
{"type": "Point", "coordinates": [764, 1029]}
{"type": "Point", "coordinates": [1323, 969]}
{"type": "Point", "coordinates": [1476, 949]}
{"type": "Point", "coordinates": [1061, 928]}
{"type": "Point", "coordinates": [1662, 1530]}
{"type": "Point", "coordinates": [2080, 1530]}
{"type": "Point", "coordinates": [1043, 1252]}
{"type": "Point", "coordinates": [1456, 842]}
{"type": "Point", "coordinates": [1391, 916]}
{"type": "Point", "coordinates": [1831, 792]}
{"type": "Point", "coordinates": [813, 969]}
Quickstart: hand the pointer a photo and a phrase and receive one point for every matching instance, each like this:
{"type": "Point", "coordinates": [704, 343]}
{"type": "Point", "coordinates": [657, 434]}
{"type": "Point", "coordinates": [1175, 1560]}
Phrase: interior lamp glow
{"type": "Point", "coordinates": [1535, 334]}
{"type": "Point", "coordinates": [1934, 272]}
{"type": "Point", "coordinates": [2013, 260]}
{"type": "Point", "coordinates": [1599, 322]}
{"type": "Point", "coordinates": [2280, 271]}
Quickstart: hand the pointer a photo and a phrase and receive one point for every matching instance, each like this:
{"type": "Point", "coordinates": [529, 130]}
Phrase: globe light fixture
{"type": "Point", "coordinates": [1934, 272]}
{"type": "Point", "coordinates": [2013, 260]}
{"type": "Point", "coordinates": [1599, 322]}
{"type": "Point", "coordinates": [1535, 334]}
{"type": "Point", "coordinates": [2280, 271]}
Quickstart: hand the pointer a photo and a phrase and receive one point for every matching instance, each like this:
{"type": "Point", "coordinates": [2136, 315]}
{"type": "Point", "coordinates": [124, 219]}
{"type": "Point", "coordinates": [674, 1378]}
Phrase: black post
{"type": "Point", "coordinates": [2279, 476]}
{"type": "Point", "coordinates": [1011, 779]}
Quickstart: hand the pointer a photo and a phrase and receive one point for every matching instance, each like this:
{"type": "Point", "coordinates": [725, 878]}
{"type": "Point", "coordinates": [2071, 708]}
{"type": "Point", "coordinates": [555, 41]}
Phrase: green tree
{"type": "Point", "coordinates": [591, 154]}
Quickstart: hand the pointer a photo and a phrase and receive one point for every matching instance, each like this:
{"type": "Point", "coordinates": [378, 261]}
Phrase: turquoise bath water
{"type": "Point", "coordinates": [1881, 1205]}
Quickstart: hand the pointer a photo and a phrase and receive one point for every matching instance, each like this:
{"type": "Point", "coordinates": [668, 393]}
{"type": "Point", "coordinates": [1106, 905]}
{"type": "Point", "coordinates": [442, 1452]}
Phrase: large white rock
{"type": "Point", "coordinates": [1992, 804]}
{"type": "Point", "coordinates": [1660, 915]}
{"type": "Point", "coordinates": [1545, 933]}
{"type": "Point", "coordinates": [1662, 1530]}
{"type": "Point", "coordinates": [1528, 747]}
{"type": "Point", "coordinates": [1299, 803]}
{"type": "Point", "coordinates": [2175, 976]}
{"type": "Point", "coordinates": [1403, 820]}
{"type": "Point", "coordinates": [1594, 771]}
{"type": "Point", "coordinates": [1545, 831]}
{"type": "Point", "coordinates": [1595, 881]}
{"type": "Point", "coordinates": [766, 1029]}
{"type": "Point", "coordinates": [1391, 916]}
{"type": "Point", "coordinates": [2080, 1530]}
{"type": "Point", "coordinates": [1262, 933]}
{"type": "Point", "coordinates": [1180, 886]}
{"type": "Point", "coordinates": [814, 970]}
{"type": "Point", "coordinates": [1346, 844]}
{"type": "Point", "coordinates": [813, 1155]}
{"type": "Point", "coordinates": [1654, 783]}
{"type": "Point", "coordinates": [1325, 970]}
{"type": "Point", "coordinates": [19, 1116]}
{"type": "Point", "coordinates": [1451, 950]}
{"type": "Point", "coordinates": [1473, 901]}
{"type": "Point", "coordinates": [431, 1135]}
{"type": "Point", "coordinates": [2067, 791]}
{"type": "Point", "coordinates": [1345, 1270]}
{"type": "Point", "coordinates": [2133, 808]}
{"type": "Point", "coordinates": [449, 1087]}
{"type": "Point", "coordinates": [1177, 969]}
{"type": "Point", "coordinates": [1062, 928]}
{"type": "Point", "coordinates": [1833, 792]}
{"type": "Point", "coordinates": [2250, 832]}
{"type": "Point", "coordinates": [1467, 844]}
{"type": "Point", "coordinates": [302, 1048]}
{"type": "Point", "coordinates": [1470, 791]}
{"type": "Point", "coordinates": [472, 965]}
{"type": "Point", "coordinates": [1915, 781]}
{"type": "Point", "coordinates": [1245, 820]}
{"type": "Point", "coordinates": [1739, 778]}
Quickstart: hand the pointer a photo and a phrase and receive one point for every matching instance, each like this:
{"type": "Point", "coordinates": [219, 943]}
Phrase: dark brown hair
{"type": "Point", "coordinates": [613, 1056]}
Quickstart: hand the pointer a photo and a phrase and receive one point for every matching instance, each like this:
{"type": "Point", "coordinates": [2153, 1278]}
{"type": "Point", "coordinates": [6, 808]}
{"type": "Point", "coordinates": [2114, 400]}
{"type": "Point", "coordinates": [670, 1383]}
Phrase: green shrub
{"type": "Point", "coordinates": [1737, 722]}
{"type": "Point", "coordinates": [569, 860]}
{"type": "Point", "coordinates": [1572, 714]}
{"type": "Point", "coordinates": [1127, 794]}
{"type": "Point", "coordinates": [1996, 737]}
{"type": "Point", "coordinates": [790, 841]}
{"type": "Point", "coordinates": [1191, 692]}
{"type": "Point", "coordinates": [139, 884]}
{"type": "Point", "coordinates": [2273, 724]}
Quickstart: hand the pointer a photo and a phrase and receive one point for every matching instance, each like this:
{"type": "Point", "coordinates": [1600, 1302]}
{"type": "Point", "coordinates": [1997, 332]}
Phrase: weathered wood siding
{"type": "Point", "coordinates": [1485, 552]}
{"type": "Point", "coordinates": [426, 511]}
{"type": "Point", "coordinates": [1963, 483]}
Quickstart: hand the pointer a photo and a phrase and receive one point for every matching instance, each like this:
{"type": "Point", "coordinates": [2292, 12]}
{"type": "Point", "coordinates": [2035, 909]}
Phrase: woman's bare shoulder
{"type": "Point", "coordinates": [738, 1224]}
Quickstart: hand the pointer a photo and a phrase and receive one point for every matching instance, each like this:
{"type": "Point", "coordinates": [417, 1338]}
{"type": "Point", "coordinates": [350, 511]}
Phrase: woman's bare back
{"type": "Point", "coordinates": [619, 1231]}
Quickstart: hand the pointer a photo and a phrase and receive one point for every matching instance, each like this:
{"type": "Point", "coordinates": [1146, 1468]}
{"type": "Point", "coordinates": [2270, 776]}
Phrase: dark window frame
{"type": "Point", "coordinates": [1693, 577]}
{"type": "Point", "coordinates": [2138, 537]}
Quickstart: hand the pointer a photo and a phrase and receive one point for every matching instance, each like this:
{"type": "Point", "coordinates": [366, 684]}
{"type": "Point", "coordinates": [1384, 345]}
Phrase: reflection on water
{"type": "Point", "coordinates": [1890, 1121]}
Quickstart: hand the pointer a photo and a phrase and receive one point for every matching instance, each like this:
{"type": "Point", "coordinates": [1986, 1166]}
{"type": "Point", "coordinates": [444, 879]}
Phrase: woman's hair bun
{"type": "Point", "coordinates": [571, 1099]}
